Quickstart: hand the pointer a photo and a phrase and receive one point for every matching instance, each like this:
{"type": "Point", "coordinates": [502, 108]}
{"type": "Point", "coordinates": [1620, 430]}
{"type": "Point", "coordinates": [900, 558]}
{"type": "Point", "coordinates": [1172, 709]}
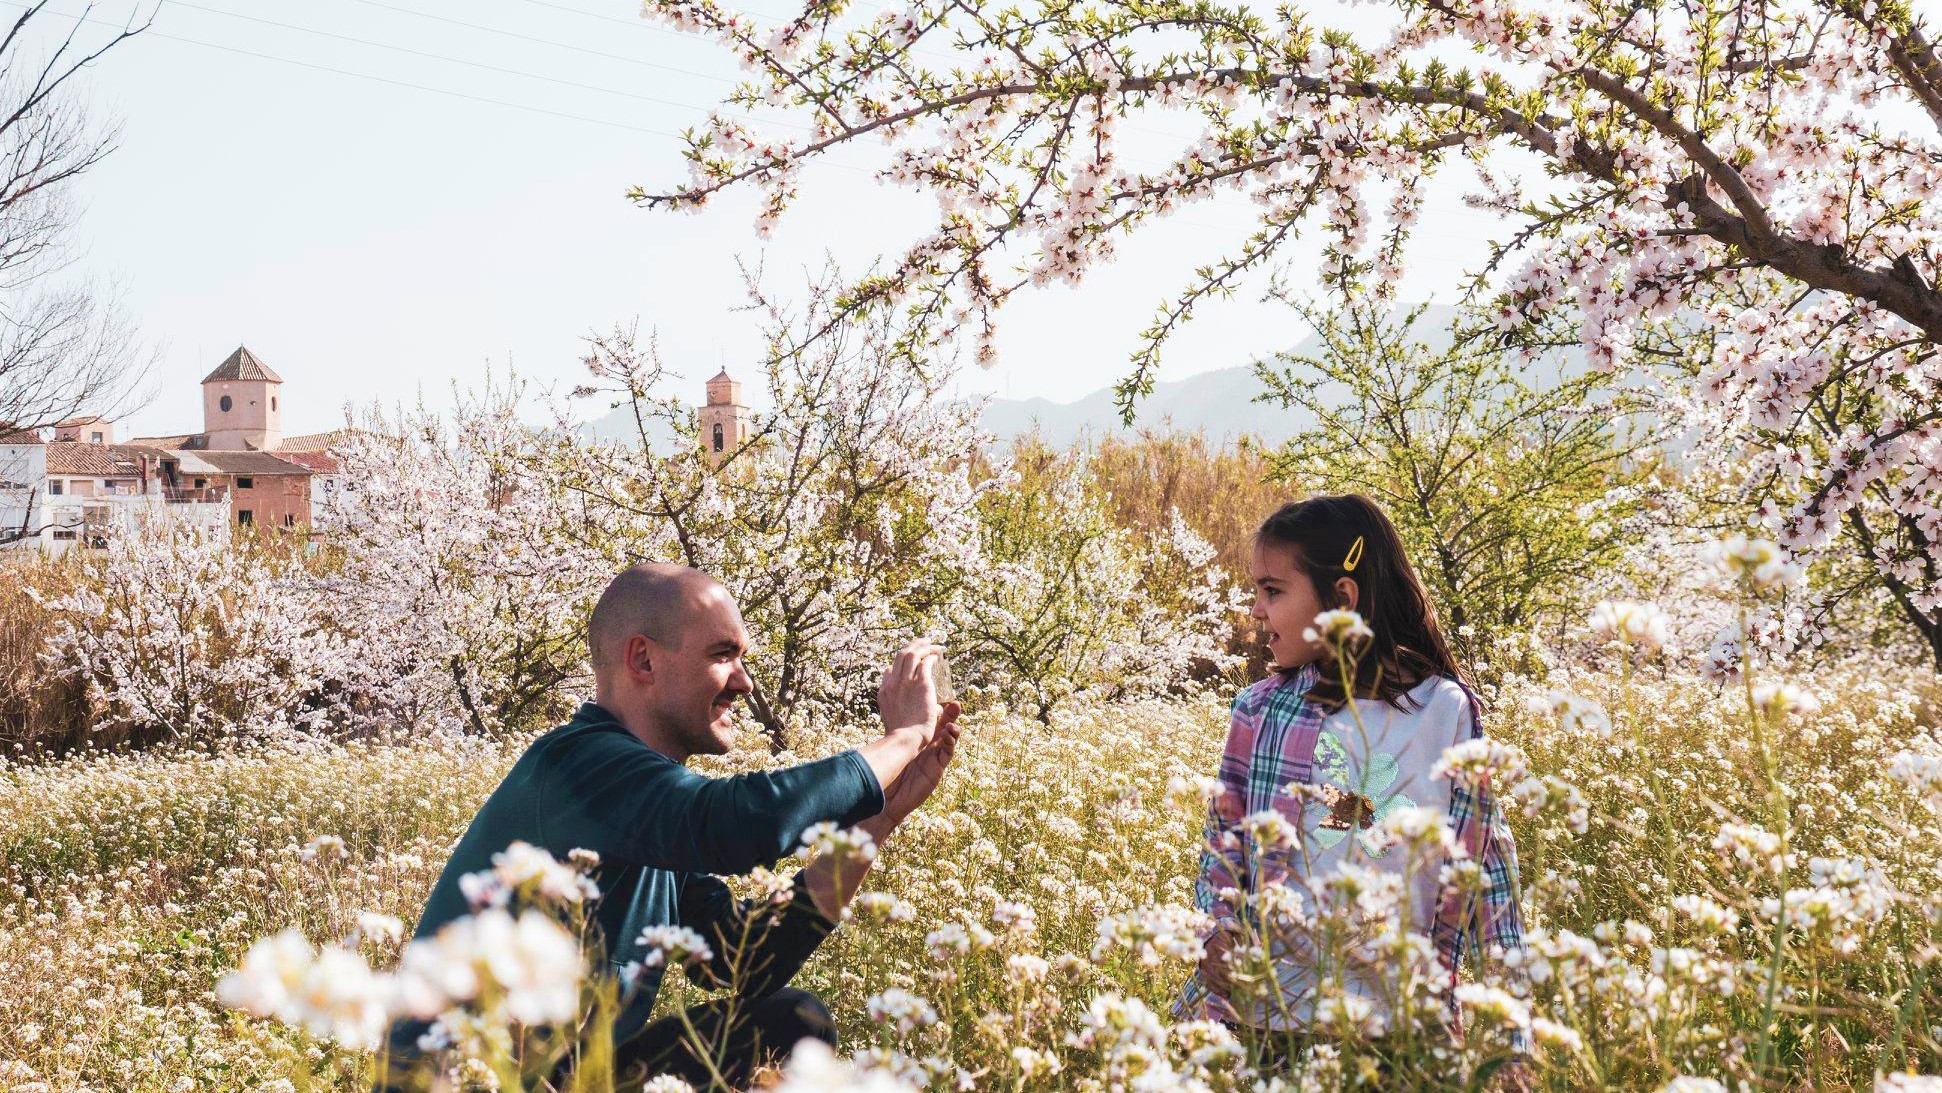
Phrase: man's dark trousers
{"type": "Point", "coordinates": [724, 1042]}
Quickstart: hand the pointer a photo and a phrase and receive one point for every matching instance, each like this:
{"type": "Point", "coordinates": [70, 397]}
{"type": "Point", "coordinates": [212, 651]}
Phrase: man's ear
{"type": "Point", "coordinates": [639, 658]}
{"type": "Point", "coordinates": [1348, 594]}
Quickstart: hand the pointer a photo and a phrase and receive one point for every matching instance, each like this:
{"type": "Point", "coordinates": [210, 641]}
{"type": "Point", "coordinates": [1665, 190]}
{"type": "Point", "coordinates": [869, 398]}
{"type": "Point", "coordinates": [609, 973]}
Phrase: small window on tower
{"type": "Point", "coordinates": [225, 404]}
{"type": "Point", "coordinates": [272, 402]}
{"type": "Point", "coordinates": [718, 436]}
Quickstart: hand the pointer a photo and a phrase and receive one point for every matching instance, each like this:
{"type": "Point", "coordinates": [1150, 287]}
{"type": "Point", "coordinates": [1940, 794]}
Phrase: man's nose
{"type": "Point", "coordinates": [739, 681]}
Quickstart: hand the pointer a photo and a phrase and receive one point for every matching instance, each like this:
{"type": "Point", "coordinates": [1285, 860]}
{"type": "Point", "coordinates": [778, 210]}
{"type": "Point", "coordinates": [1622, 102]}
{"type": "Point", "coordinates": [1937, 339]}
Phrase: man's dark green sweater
{"type": "Point", "coordinates": [664, 834]}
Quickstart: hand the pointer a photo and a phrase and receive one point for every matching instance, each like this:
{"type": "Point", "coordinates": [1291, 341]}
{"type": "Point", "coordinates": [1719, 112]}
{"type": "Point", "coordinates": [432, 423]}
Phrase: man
{"type": "Point", "coordinates": [667, 644]}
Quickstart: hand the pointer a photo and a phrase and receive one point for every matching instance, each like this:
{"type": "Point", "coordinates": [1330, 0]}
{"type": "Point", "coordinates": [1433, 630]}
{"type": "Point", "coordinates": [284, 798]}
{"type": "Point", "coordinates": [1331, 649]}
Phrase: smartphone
{"type": "Point", "coordinates": [941, 680]}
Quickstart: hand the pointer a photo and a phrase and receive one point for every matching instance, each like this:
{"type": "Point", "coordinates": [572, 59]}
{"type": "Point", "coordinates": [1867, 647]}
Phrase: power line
{"type": "Point", "coordinates": [448, 92]}
{"type": "Point", "coordinates": [407, 50]}
{"type": "Point", "coordinates": [635, 23]}
{"type": "Point", "coordinates": [366, 76]}
{"type": "Point", "coordinates": [545, 42]}
{"type": "Point", "coordinates": [641, 24]}
{"type": "Point", "coordinates": [467, 96]}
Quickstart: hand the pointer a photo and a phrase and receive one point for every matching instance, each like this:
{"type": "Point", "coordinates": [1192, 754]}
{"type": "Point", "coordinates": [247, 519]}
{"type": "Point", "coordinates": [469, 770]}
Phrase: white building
{"type": "Point", "coordinates": [23, 485]}
{"type": "Point", "coordinates": [54, 496]}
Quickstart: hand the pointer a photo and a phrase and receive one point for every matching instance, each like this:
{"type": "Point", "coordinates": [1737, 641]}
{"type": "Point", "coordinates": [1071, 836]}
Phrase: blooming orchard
{"type": "Point", "coordinates": [465, 578]}
{"type": "Point", "coordinates": [456, 579]}
{"type": "Point", "coordinates": [868, 505]}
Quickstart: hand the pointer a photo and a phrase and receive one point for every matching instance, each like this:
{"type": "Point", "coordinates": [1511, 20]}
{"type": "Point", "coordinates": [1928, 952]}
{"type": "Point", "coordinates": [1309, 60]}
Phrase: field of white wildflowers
{"type": "Point", "coordinates": [1736, 882]}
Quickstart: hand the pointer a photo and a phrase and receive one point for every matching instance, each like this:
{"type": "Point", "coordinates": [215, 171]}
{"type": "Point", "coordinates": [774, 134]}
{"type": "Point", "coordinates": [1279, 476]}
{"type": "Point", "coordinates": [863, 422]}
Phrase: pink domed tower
{"type": "Point", "coordinates": [240, 404]}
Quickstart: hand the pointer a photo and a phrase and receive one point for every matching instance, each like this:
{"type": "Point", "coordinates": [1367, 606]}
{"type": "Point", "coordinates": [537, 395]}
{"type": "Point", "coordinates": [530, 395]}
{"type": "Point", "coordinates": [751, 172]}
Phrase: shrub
{"type": "Point", "coordinates": [1063, 603]}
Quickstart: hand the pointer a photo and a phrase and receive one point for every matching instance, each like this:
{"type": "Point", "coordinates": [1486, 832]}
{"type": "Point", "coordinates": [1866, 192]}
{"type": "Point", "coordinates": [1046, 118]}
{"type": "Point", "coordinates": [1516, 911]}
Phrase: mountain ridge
{"type": "Point", "coordinates": [1219, 403]}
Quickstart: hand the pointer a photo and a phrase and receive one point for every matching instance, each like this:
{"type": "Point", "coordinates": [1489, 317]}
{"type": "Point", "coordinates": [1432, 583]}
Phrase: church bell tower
{"type": "Point", "coordinates": [724, 420]}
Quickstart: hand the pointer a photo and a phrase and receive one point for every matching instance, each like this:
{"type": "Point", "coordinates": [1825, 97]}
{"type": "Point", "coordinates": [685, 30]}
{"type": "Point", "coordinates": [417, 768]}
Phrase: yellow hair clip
{"type": "Point", "coordinates": [1355, 555]}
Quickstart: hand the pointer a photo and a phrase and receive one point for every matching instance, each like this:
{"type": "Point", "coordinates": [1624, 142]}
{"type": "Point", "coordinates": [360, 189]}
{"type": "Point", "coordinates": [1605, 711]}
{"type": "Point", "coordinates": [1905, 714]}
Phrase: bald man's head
{"type": "Point", "coordinates": [667, 644]}
{"type": "Point", "coordinates": [654, 599]}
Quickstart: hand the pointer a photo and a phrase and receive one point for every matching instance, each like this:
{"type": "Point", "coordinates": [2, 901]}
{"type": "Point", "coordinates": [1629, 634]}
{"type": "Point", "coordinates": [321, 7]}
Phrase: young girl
{"type": "Point", "coordinates": [1331, 770]}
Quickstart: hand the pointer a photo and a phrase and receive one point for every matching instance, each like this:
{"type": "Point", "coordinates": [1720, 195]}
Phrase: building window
{"type": "Point", "coordinates": [56, 487]}
{"type": "Point", "coordinates": [94, 438]}
{"type": "Point", "coordinates": [202, 483]}
{"type": "Point", "coordinates": [289, 520]}
{"type": "Point", "coordinates": [718, 436]}
{"type": "Point", "coordinates": [225, 404]}
{"type": "Point", "coordinates": [66, 535]}
{"type": "Point", "coordinates": [272, 402]}
{"type": "Point", "coordinates": [246, 483]}
{"type": "Point", "coordinates": [245, 516]}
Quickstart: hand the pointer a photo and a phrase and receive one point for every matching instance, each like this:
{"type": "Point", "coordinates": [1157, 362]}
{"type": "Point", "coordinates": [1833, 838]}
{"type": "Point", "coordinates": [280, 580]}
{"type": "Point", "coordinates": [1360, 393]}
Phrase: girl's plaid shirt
{"type": "Point", "coordinates": [1271, 743]}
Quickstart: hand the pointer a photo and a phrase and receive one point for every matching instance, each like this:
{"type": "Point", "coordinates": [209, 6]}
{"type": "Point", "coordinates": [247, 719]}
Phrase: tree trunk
{"type": "Point", "coordinates": [771, 721]}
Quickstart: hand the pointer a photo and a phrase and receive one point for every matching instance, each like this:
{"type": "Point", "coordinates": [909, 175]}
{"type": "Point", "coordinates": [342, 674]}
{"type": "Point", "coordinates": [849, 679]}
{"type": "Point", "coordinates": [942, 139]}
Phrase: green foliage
{"type": "Point", "coordinates": [1506, 492]}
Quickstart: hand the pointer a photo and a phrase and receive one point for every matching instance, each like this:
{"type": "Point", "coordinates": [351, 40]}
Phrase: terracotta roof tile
{"type": "Point", "coordinates": [94, 460]}
{"type": "Point", "coordinates": [170, 443]}
{"type": "Point", "coordinates": [315, 442]}
{"type": "Point", "coordinates": [242, 365]}
{"type": "Point", "coordinates": [250, 463]}
{"type": "Point", "coordinates": [320, 462]}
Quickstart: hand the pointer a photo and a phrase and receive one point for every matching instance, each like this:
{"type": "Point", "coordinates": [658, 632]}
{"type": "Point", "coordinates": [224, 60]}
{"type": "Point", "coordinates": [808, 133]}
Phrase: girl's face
{"type": "Point", "coordinates": [1286, 603]}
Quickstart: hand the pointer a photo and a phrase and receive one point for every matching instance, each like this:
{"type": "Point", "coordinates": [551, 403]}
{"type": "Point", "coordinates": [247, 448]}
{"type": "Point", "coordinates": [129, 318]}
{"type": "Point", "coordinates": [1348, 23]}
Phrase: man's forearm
{"type": "Point", "coordinates": [888, 755]}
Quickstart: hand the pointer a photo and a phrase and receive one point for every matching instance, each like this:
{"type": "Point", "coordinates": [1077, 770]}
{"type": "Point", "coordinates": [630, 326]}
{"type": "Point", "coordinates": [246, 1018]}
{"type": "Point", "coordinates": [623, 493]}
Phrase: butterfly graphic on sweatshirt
{"type": "Point", "coordinates": [1351, 801]}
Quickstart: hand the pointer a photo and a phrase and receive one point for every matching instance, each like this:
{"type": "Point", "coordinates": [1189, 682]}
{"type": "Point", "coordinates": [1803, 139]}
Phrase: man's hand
{"type": "Point", "coordinates": [1213, 966]}
{"type": "Point", "coordinates": [907, 697]}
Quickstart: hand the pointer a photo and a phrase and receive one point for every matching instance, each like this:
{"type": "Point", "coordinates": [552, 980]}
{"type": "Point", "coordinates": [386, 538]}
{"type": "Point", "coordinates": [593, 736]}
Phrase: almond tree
{"type": "Point", "coordinates": [1064, 605]}
{"type": "Point", "coordinates": [465, 578]}
{"type": "Point", "coordinates": [1655, 159]}
{"type": "Point", "coordinates": [183, 634]}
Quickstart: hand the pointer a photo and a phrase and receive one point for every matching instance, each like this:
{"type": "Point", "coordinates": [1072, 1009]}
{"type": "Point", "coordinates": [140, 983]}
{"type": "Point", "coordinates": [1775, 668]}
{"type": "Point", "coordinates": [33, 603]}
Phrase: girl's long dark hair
{"type": "Point", "coordinates": [1408, 647]}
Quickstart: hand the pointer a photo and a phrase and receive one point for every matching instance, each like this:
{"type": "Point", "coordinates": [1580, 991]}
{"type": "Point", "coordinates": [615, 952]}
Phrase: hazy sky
{"type": "Point", "coordinates": [371, 240]}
